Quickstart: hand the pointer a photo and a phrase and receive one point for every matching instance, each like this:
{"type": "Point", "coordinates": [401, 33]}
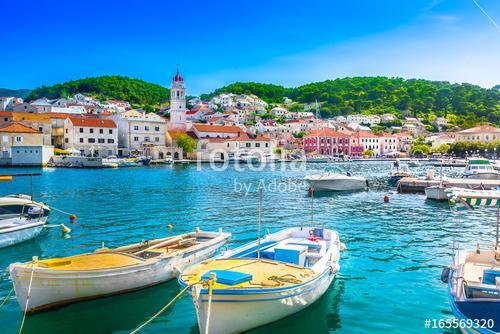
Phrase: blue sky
{"type": "Point", "coordinates": [219, 42]}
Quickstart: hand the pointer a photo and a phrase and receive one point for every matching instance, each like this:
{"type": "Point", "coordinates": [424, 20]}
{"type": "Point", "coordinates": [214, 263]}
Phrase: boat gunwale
{"type": "Point", "coordinates": [25, 268]}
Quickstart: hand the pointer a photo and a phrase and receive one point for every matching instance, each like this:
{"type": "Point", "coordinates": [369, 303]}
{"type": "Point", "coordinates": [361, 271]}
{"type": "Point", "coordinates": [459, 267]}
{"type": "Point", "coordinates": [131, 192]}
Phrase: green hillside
{"type": "Point", "coordinates": [376, 95]}
{"type": "Point", "coordinates": [107, 87]}
{"type": "Point", "coordinates": [15, 92]}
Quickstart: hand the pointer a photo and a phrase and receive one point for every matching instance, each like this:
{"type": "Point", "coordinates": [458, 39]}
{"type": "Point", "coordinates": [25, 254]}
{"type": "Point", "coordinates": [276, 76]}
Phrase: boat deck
{"type": "Point", "coordinates": [89, 262]}
{"type": "Point", "coordinates": [265, 273]}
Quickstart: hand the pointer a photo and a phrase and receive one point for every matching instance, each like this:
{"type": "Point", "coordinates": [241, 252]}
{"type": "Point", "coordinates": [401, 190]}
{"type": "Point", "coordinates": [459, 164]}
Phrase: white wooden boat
{"type": "Point", "coordinates": [107, 272]}
{"type": "Point", "coordinates": [437, 193]}
{"type": "Point", "coordinates": [21, 219]}
{"type": "Point", "coordinates": [260, 283]}
{"type": "Point", "coordinates": [330, 181]}
{"type": "Point", "coordinates": [474, 277]}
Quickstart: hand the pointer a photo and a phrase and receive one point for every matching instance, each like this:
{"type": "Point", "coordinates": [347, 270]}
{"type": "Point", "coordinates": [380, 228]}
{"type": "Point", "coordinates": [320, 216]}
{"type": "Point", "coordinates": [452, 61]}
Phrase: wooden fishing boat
{"type": "Point", "coordinates": [107, 271]}
{"type": "Point", "coordinates": [263, 281]}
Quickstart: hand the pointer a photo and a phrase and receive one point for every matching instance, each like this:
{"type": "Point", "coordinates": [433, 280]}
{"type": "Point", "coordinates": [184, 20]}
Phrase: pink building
{"type": "Point", "coordinates": [327, 142]}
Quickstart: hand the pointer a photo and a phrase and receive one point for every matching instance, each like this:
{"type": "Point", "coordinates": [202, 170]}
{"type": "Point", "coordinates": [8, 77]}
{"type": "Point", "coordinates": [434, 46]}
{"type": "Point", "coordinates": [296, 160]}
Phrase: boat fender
{"type": "Point", "coordinates": [342, 247]}
{"type": "Point", "coordinates": [334, 268]}
{"type": "Point", "coordinates": [445, 274]}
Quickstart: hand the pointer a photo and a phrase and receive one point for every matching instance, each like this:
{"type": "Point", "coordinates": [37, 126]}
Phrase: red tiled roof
{"type": "Point", "coordinates": [216, 128]}
{"type": "Point", "coordinates": [480, 129]}
{"type": "Point", "coordinates": [326, 133]}
{"type": "Point", "coordinates": [5, 113]}
{"type": "Point", "coordinates": [18, 128]}
{"type": "Point", "coordinates": [246, 137]}
{"type": "Point", "coordinates": [93, 122]}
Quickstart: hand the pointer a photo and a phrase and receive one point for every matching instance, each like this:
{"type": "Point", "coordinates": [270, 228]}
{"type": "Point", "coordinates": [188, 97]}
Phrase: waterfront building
{"type": "Point", "coordinates": [91, 136]}
{"type": "Point", "coordinates": [178, 109]}
{"type": "Point", "coordinates": [484, 133]}
{"type": "Point", "coordinates": [441, 138]}
{"type": "Point", "coordinates": [367, 141]}
{"type": "Point", "coordinates": [363, 119]}
{"type": "Point", "coordinates": [23, 146]}
{"type": "Point", "coordinates": [216, 131]}
{"type": "Point", "coordinates": [141, 133]}
{"type": "Point", "coordinates": [326, 142]}
{"type": "Point", "coordinates": [388, 144]}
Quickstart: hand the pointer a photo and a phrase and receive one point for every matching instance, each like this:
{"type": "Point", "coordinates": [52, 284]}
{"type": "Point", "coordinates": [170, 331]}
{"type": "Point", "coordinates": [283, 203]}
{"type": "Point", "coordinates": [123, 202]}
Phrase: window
{"type": "Point", "coordinates": [91, 140]}
{"type": "Point", "coordinates": [146, 139]}
{"type": "Point", "coordinates": [248, 144]}
{"type": "Point", "coordinates": [257, 144]}
{"type": "Point", "coordinates": [40, 129]}
{"type": "Point", "coordinates": [136, 138]}
{"type": "Point", "coordinates": [146, 128]}
{"type": "Point", "coordinates": [81, 130]}
{"type": "Point", "coordinates": [157, 128]}
{"type": "Point", "coordinates": [111, 141]}
{"type": "Point", "coordinates": [6, 119]}
{"type": "Point", "coordinates": [101, 131]}
{"type": "Point", "coordinates": [110, 131]}
{"type": "Point", "coordinates": [136, 127]}
{"type": "Point", "coordinates": [157, 139]}
{"type": "Point", "coordinates": [101, 141]}
{"type": "Point", "coordinates": [66, 130]}
{"type": "Point", "coordinates": [66, 140]}
{"type": "Point", "coordinates": [81, 140]}
{"type": "Point", "coordinates": [19, 139]}
{"type": "Point", "coordinates": [91, 130]}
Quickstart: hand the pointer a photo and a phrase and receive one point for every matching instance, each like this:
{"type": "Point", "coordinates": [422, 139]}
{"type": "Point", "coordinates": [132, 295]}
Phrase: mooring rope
{"type": "Point", "coordinates": [59, 210]}
{"type": "Point", "coordinates": [6, 297]}
{"type": "Point", "coordinates": [35, 260]}
{"type": "Point", "coordinates": [157, 314]}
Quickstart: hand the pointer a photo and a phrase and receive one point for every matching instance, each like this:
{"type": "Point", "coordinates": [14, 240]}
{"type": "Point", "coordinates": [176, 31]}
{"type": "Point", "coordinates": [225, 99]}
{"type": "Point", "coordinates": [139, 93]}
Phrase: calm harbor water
{"type": "Point", "coordinates": [389, 276]}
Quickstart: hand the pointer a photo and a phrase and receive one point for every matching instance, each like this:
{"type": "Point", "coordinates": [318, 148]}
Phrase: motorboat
{"type": "Point", "coordinates": [268, 158]}
{"type": "Point", "coordinates": [414, 163]}
{"type": "Point", "coordinates": [335, 181]}
{"type": "Point", "coordinates": [263, 281]}
{"type": "Point", "coordinates": [437, 193]}
{"type": "Point", "coordinates": [106, 272]}
{"type": "Point", "coordinates": [473, 278]}
{"type": "Point", "coordinates": [318, 159]}
{"type": "Point", "coordinates": [398, 171]}
{"type": "Point", "coordinates": [478, 168]}
{"type": "Point", "coordinates": [242, 157]}
{"type": "Point", "coordinates": [21, 219]}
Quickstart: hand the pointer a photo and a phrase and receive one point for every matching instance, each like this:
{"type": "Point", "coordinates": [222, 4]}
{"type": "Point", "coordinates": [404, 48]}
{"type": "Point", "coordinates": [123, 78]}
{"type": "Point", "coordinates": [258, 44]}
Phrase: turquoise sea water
{"type": "Point", "coordinates": [389, 276]}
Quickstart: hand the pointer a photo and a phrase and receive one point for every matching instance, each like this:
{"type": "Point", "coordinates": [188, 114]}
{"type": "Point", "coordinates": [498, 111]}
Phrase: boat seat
{"type": "Point", "coordinates": [490, 275]}
{"type": "Point", "coordinates": [228, 277]}
{"type": "Point", "coordinates": [478, 290]}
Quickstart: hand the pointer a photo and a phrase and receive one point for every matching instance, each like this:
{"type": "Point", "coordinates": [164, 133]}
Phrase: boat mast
{"type": "Point", "coordinates": [498, 211]}
{"type": "Point", "coordinates": [260, 221]}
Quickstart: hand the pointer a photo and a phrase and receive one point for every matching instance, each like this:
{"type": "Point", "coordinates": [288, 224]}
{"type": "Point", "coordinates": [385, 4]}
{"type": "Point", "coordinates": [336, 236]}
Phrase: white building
{"type": "Point", "coordinates": [91, 136]}
{"type": "Point", "coordinates": [279, 112]}
{"type": "Point", "coordinates": [363, 119]}
{"type": "Point", "coordinates": [139, 131]}
{"type": "Point", "coordinates": [8, 102]}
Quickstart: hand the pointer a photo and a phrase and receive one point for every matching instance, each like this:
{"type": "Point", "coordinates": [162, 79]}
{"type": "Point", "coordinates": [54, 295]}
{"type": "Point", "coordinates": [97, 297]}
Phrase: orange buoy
{"type": "Point", "coordinates": [386, 198]}
{"type": "Point", "coordinates": [72, 217]}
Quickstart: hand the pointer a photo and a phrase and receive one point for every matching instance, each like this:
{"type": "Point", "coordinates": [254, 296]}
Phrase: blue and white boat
{"type": "Point", "coordinates": [263, 281]}
{"type": "Point", "coordinates": [474, 276]}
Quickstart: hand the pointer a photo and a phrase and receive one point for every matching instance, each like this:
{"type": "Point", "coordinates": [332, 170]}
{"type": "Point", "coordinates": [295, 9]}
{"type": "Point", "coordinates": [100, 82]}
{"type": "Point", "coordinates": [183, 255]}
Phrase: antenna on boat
{"type": "Point", "coordinates": [260, 221]}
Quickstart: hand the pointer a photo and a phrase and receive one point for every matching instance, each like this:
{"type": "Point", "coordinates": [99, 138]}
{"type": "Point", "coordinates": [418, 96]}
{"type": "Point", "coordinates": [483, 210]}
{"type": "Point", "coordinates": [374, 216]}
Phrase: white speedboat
{"type": "Point", "coordinates": [21, 219]}
{"type": "Point", "coordinates": [477, 168]}
{"type": "Point", "coordinates": [335, 181]}
{"type": "Point", "coordinates": [242, 157]}
{"type": "Point", "coordinates": [318, 159]}
{"type": "Point", "coordinates": [263, 281]}
{"type": "Point", "coordinates": [268, 158]}
{"type": "Point", "coordinates": [474, 277]}
{"type": "Point", "coordinates": [107, 271]}
{"type": "Point", "coordinates": [437, 193]}
{"type": "Point", "coordinates": [398, 171]}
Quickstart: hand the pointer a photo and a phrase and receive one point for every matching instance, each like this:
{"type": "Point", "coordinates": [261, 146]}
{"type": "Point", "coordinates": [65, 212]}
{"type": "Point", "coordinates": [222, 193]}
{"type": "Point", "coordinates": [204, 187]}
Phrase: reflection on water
{"type": "Point", "coordinates": [389, 275]}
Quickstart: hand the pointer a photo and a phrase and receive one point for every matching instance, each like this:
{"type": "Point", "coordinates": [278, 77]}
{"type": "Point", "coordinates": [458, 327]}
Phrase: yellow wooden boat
{"type": "Point", "coordinates": [107, 271]}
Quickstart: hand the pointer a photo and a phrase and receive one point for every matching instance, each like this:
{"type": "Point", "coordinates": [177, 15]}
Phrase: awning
{"type": "Point", "coordinates": [470, 198]}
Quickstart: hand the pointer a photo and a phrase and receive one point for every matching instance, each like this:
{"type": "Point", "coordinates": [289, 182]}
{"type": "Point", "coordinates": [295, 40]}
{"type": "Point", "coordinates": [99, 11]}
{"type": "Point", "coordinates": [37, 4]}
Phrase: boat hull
{"type": "Point", "coordinates": [482, 176]}
{"type": "Point", "coordinates": [436, 193]}
{"type": "Point", "coordinates": [15, 235]}
{"type": "Point", "coordinates": [337, 184]}
{"type": "Point", "coordinates": [52, 288]}
{"type": "Point", "coordinates": [236, 313]}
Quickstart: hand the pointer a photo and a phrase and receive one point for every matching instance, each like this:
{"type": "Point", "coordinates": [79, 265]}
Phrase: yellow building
{"type": "Point", "coordinates": [484, 133]}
